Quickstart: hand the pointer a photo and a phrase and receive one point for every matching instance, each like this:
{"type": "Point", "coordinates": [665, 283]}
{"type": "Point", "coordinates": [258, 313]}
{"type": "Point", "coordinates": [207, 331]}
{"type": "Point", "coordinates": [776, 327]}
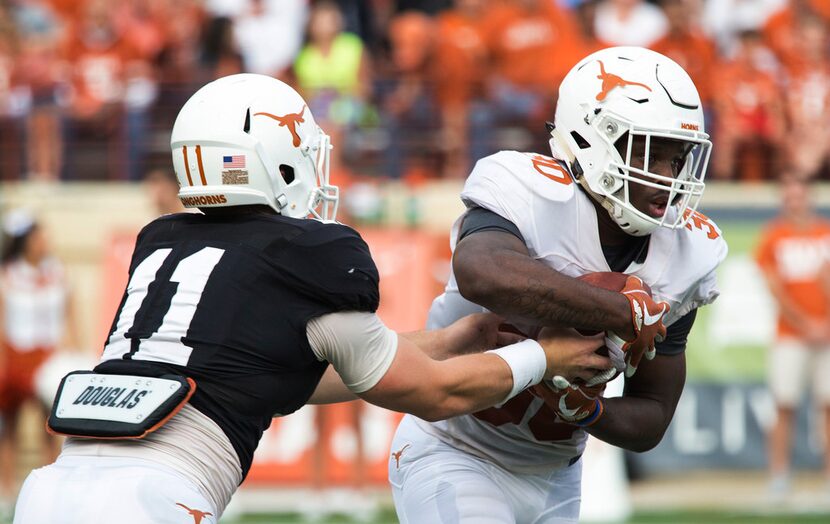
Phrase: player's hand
{"type": "Point", "coordinates": [477, 333]}
{"type": "Point", "coordinates": [571, 355]}
{"type": "Point", "coordinates": [581, 405]}
{"type": "Point", "coordinates": [647, 319]}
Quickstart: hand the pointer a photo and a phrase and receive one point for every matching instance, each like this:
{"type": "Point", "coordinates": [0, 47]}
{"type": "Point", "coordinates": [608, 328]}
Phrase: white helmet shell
{"type": "Point", "coordinates": [251, 139]}
{"type": "Point", "coordinates": [623, 92]}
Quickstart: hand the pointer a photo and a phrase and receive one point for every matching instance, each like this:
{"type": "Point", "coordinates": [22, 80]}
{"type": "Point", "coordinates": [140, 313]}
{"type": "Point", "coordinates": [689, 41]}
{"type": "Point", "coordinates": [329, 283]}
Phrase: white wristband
{"type": "Point", "coordinates": [527, 362]}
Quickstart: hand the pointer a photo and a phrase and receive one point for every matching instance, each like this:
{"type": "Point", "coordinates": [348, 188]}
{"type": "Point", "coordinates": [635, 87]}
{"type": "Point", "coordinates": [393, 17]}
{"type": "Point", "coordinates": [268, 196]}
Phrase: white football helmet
{"type": "Point", "coordinates": [621, 93]}
{"type": "Point", "coordinates": [251, 139]}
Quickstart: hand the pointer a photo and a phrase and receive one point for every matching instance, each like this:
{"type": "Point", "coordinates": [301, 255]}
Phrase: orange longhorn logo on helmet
{"type": "Point", "coordinates": [289, 121]}
{"type": "Point", "coordinates": [611, 81]}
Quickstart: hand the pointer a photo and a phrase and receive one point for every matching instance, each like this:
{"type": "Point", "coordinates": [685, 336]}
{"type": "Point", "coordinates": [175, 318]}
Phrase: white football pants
{"type": "Point", "coordinates": [106, 490]}
{"type": "Point", "coordinates": [434, 483]}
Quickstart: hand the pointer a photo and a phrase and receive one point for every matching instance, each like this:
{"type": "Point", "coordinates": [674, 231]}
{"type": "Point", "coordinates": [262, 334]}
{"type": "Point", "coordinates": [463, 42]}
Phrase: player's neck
{"type": "Point", "coordinates": [610, 234]}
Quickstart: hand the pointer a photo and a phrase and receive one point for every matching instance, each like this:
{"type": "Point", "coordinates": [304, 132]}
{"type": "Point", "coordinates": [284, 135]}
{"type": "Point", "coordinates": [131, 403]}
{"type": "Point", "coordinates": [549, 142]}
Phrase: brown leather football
{"type": "Point", "coordinates": [610, 280]}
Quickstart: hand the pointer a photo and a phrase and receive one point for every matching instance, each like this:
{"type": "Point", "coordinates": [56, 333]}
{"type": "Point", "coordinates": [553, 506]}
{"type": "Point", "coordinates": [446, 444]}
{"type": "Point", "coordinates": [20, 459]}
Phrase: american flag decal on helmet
{"type": "Point", "coordinates": [233, 162]}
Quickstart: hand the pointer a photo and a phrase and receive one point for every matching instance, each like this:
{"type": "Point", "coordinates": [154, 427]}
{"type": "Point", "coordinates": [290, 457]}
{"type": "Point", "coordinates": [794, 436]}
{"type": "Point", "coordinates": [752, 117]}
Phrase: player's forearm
{"type": "Point", "coordinates": [522, 289]}
{"type": "Point", "coordinates": [464, 385]}
{"type": "Point", "coordinates": [434, 390]}
{"type": "Point", "coordinates": [635, 424]}
{"type": "Point", "coordinates": [432, 342]}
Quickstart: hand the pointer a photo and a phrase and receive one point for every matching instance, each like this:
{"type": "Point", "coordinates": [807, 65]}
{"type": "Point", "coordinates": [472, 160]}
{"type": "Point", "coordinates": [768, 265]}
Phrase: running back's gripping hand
{"type": "Point", "coordinates": [575, 404]}
{"type": "Point", "coordinates": [647, 318]}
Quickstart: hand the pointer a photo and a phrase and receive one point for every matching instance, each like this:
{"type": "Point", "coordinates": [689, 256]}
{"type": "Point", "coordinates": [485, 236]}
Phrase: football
{"type": "Point", "coordinates": [611, 281]}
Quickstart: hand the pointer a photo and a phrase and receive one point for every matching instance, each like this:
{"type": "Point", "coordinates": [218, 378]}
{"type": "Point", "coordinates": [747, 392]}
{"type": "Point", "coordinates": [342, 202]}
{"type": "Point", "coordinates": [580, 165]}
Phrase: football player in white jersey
{"type": "Point", "coordinates": [232, 316]}
{"type": "Point", "coordinates": [619, 193]}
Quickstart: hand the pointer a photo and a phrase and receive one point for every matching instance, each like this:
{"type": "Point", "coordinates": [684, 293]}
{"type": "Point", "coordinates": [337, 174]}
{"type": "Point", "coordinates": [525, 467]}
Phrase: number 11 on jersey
{"type": "Point", "coordinates": [165, 344]}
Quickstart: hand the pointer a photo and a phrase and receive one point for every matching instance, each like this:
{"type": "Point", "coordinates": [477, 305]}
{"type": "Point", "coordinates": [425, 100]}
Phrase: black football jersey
{"type": "Point", "coordinates": [225, 301]}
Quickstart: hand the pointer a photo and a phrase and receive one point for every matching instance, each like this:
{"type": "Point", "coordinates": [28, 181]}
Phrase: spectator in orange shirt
{"type": "Point", "coordinates": [807, 99]}
{"type": "Point", "coordinates": [98, 54]}
{"type": "Point", "coordinates": [531, 44]}
{"type": "Point", "coordinates": [40, 32]}
{"type": "Point", "coordinates": [750, 119]}
{"type": "Point", "coordinates": [410, 117]}
{"type": "Point", "coordinates": [99, 58]}
{"type": "Point", "coordinates": [459, 77]}
{"type": "Point", "coordinates": [142, 26]}
{"type": "Point", "coordinates": [686, 44]}
{"type": "Point", "coordinates": [794, 254]}
{"type": "Point", "coordinates": [781, 30]}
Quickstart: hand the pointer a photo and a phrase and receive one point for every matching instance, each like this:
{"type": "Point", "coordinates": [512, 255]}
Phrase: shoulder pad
{"type": "Point", "coordinates": [333, 263]}
{"type": "Point", "coordinates": [511, 180]}
{"type": "Point", "coordinates": [706, 239]}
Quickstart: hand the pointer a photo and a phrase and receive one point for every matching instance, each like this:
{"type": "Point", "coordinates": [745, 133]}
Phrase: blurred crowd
{"type": "Point", "coordinates": [407, 88]}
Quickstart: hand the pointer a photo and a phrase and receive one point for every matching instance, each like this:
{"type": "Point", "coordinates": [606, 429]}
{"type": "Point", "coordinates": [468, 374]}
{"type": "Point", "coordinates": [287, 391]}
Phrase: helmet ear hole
{"type": "Point", "coordinates": [287, 173]}
{"type": "Point", "coordinates": [580, 141]}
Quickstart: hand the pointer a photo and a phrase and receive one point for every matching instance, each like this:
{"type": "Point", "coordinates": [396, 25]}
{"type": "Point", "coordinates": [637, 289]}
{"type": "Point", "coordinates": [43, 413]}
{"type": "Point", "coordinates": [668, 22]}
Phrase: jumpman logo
{"type": "Point", "coordinates": [195, 513]}
{"type": "Point", "coordinates": [397, 456]}
{"type": "Point", "coordinates": [610, 81]}
{"type": "Point", "coordinates": [290, 121]}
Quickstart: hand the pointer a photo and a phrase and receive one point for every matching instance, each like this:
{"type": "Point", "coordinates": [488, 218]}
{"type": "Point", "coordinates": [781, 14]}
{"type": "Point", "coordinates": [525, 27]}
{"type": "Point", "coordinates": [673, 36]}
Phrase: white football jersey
{"type": "Point", "coordinates": [559, 224]}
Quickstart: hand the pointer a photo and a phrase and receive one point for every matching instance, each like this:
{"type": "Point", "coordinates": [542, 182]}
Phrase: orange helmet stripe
{"type": "Point", "coordinates": [201, 167]}
{"type": "Point", "coordinates": [187, 166]}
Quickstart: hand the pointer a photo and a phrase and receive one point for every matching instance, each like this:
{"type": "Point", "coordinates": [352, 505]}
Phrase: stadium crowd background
{"type": "Point", "coordinates": [410, 88]}
{"type": "Point", "coordinates": [413, 92]}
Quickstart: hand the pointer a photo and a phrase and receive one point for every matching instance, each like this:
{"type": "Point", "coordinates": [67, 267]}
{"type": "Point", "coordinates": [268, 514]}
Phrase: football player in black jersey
{"type": "Point", "coordinates": [232, 316]}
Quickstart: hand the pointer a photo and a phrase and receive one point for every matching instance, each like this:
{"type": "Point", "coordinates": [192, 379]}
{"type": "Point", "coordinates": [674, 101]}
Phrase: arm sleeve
{"type": "Point", "coordinates": [677, 335]}
{"type": "Point", "coordinates": [359, 346]}
{"type": "Point", "coordinates": [479, 219]}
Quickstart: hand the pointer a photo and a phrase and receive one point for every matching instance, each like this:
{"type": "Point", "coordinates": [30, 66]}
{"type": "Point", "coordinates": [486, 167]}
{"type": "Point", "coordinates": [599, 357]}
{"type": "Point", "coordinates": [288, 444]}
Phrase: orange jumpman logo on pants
{"type": "Point", "coordinates": [610, 81]}
{"type": "Point", "coordinates": [290, 121]}
{"type": "Point", "coordinates": [195, 513]}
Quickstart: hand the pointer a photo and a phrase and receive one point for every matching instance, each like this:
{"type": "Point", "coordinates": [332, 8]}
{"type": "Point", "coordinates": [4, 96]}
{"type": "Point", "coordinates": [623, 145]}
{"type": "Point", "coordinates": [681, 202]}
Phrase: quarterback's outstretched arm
{"type": "Point", "coordinates": [392, 372]}
{"type": "Point", "coordinates": [474, 333]}
{"type": "Point", "coordinates": [638, 420]}
{"type": "Point", "coordinates": [494, 269]}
